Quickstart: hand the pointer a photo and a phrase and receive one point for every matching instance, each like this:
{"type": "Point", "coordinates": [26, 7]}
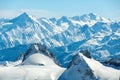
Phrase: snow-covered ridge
{"type": "Point", "coordinates": [64, 35]}
{"type": "Point", "coordinates": [83, 68]}
{"type": "Point", "coordinates": [37, 65]}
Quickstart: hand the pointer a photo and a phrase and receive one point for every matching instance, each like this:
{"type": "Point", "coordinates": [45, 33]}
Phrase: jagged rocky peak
{"type": "Point", "coordinates": [86, 53]}
{"type": "Point", "coordinates": [78, 70]}
{"type": "Point", "coordinates": [38, 54]}
{"type": "Point", "coordinates": [37, 48]}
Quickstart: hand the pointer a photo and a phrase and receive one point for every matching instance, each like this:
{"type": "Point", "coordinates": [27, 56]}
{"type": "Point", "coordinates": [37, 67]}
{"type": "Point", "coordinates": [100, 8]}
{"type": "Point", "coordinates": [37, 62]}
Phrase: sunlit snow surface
{"type": "Point", "coordinates": [40, 67]}
{"type": "Point", "coordinates": [35, 67]}
{"type": "Point", "coordinates": [89, 69]}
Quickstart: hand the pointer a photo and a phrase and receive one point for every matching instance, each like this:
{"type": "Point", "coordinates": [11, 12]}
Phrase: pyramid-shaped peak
{"type": "Point", "coordinates": [24, 14]}
{"type": "Point", "coordinates": [22, 19]}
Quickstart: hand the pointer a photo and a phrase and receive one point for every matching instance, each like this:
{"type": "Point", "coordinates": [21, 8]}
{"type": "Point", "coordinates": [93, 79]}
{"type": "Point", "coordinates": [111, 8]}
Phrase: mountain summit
{"type": "Point", "coordinates": [22, 19]}
{"type": "Point", "coordinates": [89, 17]}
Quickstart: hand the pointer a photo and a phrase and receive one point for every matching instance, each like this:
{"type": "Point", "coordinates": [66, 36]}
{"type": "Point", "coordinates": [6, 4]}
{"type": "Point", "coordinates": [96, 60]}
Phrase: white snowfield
{"type": "Point", "coordinates": [102, 72]}
{"type": "Point", "coordinates": [40, 67]}
{"type": "Point", "coordinates": [35, 67]}
{"type": "Point", "coordinates": [89, 69]}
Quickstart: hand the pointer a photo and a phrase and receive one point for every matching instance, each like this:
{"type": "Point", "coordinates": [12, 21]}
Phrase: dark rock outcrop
{"type": "Point", "coordinates": [86, 53]}
{"type": "Point", "coordinates": [113, 62]}
{"type": "Point", "coordinates": [39, 48]}
{"type": "Point", "coordinates": [78, 70]}
{"type": "Point", "coordinates": [36, 48]}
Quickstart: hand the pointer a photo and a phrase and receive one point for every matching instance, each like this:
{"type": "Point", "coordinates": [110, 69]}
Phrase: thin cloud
{"type": "Point", "coordinates": [36, 13]}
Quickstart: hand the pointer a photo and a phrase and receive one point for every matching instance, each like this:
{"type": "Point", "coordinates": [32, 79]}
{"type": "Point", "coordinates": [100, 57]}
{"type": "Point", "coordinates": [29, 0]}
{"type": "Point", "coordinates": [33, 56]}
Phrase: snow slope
{"type": "Point", "coordinates": [35, 66]}
{"type": "Point", "coordinates": [39, 64]}
{"type": "Point", "coordinates": [31, 72]}
{"type": "Point", "coordinates": [83, 68]}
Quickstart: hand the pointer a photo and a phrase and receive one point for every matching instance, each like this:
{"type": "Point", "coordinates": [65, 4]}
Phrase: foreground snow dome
{"type": "Point", "coordinates": [37, 66]}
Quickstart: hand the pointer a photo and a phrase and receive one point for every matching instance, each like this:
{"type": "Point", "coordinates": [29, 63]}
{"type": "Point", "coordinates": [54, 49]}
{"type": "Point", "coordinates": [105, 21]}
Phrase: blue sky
{"type": "Point", "coordinates": [57, 8]}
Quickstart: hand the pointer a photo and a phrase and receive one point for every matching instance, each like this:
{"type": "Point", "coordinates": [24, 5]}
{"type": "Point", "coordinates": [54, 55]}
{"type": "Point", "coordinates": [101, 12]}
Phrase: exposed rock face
{"type": "Point", "coordinates": [79, 70]}
{"type": "Point", "coordinates": [40, 49]}
{"type": "Point", "coordinates": [36, 48]}
{"type": "Point", "coordinates": [113, 62]}
{"type": "Point", "coordinates": [86, 53]}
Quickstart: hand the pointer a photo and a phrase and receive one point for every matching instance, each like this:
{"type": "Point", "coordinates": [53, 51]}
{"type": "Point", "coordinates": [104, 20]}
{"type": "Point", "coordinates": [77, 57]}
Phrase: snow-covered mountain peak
{"type": "Point", "coordinates": [83, 68]}
{"type": "Point", "coordinates": [24, 14]}
{"type": "Point", "coordinates": [37, 48]}
{"type": "Point", "coordinates": [85, 17]}
{"type": "Point", "coordinates": [64, 21]}
{"type": "Point", "coordinates": [98, 18]}
{"type": "Point", "coordinates": [23, 19]}
{"type": "Point", "coordinates": [79, 69]}
{"type": "Point", "coordinates": [90, 17]}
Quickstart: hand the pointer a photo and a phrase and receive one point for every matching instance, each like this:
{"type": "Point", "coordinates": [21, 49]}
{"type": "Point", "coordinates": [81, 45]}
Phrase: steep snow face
{"type": "Point", "coordinates": [83, 68]}
{"type": "Point", "coordinates": [35, 66]}
{"type": "Point", "coordinates": [79, 69]}
{"type": "Point", "coordinates": [100, 70]}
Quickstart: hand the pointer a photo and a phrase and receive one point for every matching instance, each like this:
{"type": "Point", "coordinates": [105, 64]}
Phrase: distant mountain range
{"type": "Point", "coordinates": [62, 36]}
